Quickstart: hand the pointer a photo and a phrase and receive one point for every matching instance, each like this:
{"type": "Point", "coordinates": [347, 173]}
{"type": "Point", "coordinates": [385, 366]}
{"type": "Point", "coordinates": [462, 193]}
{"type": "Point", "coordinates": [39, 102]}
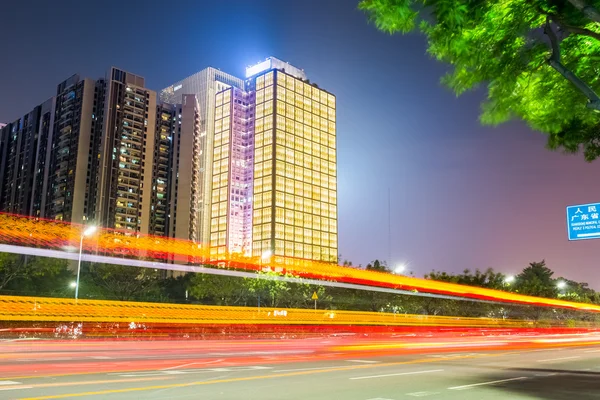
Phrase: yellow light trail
{"type": "Point", "coordinates": [17, 308]}
{"type": "Point", "coordinates": [57, 235]}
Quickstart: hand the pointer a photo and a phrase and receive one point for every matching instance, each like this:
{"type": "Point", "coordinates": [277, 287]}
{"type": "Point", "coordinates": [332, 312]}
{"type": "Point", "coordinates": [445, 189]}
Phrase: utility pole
{"type": "Point", "coordinates": [389, 260]}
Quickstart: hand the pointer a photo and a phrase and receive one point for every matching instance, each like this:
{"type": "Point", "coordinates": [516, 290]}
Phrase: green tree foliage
{"type": "Point", "coordinates": [488, 279]}
{"type": "Point", "coordinates": [219, 289]}
{"type": "Point", "coordinates": [538, 59]}
{"type": "Point", "coordinates": [34, 275]}
{"type": "Point", "coordinates": [12, 266]}
{"type": "Point", "coordinates": [120, 282]}
{"type": "Point", "coordinates": [377, 266]}
{"type": "Point", "coordinates": [536, 280]}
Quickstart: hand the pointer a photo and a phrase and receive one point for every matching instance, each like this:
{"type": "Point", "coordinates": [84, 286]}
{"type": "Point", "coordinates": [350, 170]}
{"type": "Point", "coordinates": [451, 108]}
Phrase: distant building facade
{"type": "Point", "coordinates": [204, 85]}
{"type": "Point", "coordinates": [243, 166]}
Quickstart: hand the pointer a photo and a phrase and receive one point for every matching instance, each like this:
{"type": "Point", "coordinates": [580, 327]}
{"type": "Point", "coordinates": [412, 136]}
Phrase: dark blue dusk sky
{"type": "Point", "coordinates": [463, 195]}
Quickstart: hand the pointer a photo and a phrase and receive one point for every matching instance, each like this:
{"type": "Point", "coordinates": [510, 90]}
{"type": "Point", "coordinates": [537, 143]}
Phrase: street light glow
{"type": "Point", "coordinates": [266, 255]}
{"type": "Point", "coordinates": [509, 279]}
{"type": "Point", "coordinates": [73, 284]}
{"type": "Point", "coordinates": [90, 230]}
{"type": "Point", "coordinates": [399, 269]}
{"type": "Point", "coordinates": [561, 285]}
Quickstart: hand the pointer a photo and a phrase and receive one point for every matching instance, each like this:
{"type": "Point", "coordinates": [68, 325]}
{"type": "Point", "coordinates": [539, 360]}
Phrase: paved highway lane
{"type": "Point", "coordinates": [529, 372]}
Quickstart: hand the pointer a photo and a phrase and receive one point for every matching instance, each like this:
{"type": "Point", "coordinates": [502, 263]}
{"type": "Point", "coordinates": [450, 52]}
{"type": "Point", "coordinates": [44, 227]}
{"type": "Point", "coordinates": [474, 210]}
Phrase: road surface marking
{"type": "Point", "coordinates": [9, 383]}
{"type": "Point", "coordinates": [142, 369]}
{"type": "Point", "coordinates": [363, 361]}
{"type": "Point", "coordinates": [193, 363]}
{"type": "Point", "coordinates": [101, 357]}
{"type": "Point", "coordinates": [231, 380]}
{"type": "Point", "coordinates": [398, 374]}
{"type": "Point", "coordinates": [80, 383]}
{"type": "Point", "coordinates": [486, 383]}
{"type": "Point", "coordinates": [559, 359]}
{"type": "Point", "coordinates": [591, 351]}
{"type": "Point", "coordinates": [163, 372]}
{"type": "Point", "coordinates": [455, 354]}
{"type": "Point", "coordinates": [422, 394]}
{"type": "Point", "coordinates": [263, 353]}
{"type": "Point", "coordinates": [45, 359]}
{"type": "Point", "coordinates": [17, 388]}
{"type": "Point", "coordinates": [308, 369]}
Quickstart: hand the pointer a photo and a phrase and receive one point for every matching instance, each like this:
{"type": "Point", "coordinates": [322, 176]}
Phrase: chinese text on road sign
{"type": "Point", "coordinates": [583, 221]}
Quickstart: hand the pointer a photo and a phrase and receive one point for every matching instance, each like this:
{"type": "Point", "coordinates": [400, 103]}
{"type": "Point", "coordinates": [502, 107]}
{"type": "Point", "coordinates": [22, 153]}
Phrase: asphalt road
{"type": "Point", "coordinates": [549, 368]}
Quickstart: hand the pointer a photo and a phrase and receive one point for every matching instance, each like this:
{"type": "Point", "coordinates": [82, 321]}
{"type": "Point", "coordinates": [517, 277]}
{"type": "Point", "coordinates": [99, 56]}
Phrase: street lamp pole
{"type": "Point", "coordinates": [79, 267]}
{"type": "Point", "coordinates": [87, 232]}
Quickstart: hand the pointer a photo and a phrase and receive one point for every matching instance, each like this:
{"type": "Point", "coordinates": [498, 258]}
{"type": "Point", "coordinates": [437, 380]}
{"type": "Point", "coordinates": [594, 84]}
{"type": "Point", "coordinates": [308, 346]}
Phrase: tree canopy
{"type": "Point", "coordinates": [52, 277]}
{"type": "Point", "coordinates": [538, 59]}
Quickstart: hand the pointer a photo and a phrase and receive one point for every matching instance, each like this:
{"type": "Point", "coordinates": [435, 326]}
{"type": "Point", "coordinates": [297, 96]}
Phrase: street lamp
{"type": "Point", "coordinates": [73, 284]}
{"type": "Point", "coordinates": [561, 284]}
{"type": "Point", "coordinates": [509, 279]}
{"type": "Point", "coordinates": [86, 232]}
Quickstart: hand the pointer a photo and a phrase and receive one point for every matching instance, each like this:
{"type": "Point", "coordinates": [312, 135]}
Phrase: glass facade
{"type": "Point", "coordinates": [231, 197]}
{"type": "Point", "coordinates": [205, 84]}
{"type": "Point", "coordinates": [295, 173]}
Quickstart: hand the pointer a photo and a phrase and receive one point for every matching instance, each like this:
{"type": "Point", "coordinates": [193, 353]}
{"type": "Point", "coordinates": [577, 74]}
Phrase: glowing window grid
{"type": "Point", "coordinates": [231, 210]}
{"type": "Point", "coordinates": [295, 185]}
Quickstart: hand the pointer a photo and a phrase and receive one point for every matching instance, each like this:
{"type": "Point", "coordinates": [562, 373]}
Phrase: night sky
{"type": "Point", "coordinates": [463, 195]}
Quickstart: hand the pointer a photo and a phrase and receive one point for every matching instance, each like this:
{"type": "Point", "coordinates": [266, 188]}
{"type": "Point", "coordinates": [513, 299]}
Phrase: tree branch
{"type": "Point", "coordinates": [555, 62]}
{"type": "Point", "coordinates": [589, 11]}
{"type": "Point", "coordinates": [577, 30]}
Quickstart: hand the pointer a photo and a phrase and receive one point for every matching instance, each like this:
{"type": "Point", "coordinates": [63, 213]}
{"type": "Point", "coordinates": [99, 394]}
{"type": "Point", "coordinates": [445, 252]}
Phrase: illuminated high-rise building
{"type": "Point", "coordinates": [185, 171]}
{"type": "Point", "coordinates": [295, 165]}
{"type": "Point", "coordinates": [75, 126]}
{"type": "Point", "coordinates": [274, 176]}
{"type": "Point", "coordinates": [126, 154]}
{"type": "Point", "coordinates": [22, 159]}
{"type": "Point", "coordinates": [246, 167]}
{"type": "Point", "coordinates": [233, 154]}
{"type": "Point", "coordinates": [204, 85]}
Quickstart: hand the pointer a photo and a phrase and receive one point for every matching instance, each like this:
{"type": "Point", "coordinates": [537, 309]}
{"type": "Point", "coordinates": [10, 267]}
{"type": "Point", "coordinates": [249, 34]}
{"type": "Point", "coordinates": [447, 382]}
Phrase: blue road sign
{"type": "Point", "coordinates": [583, 221]}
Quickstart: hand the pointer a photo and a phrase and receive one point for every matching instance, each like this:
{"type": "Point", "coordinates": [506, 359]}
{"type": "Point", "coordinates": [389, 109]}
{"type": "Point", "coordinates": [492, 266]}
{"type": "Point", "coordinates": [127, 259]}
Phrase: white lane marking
{"type": "Point", "coordinates": [9, 383]}
{"type": "Point", "coordinates": [559, 359]}
{"type": "Point", "coordinates": [193, 363]}
{"type": "Point", "coordinates": [263, 353]}
{"type": "Point", "coordinates": [453, 355]}
{"type": "Point", "coordinates": [162, 373]}
{"type": "Point", "coordinates": [101, 358]}
{"type": "Point", "coordinates": [550, 374]}
{"type": "Point", "coordinates": [17, 388]}
{"type": "Point", "coordinates": [45, 359]}
{"type": "Point", "coordinates": [422, 394]}
{"type": "Point", "coordinates": [192, 371]}
{"type": "Point", "coordinates": [398, 374]}
{"type": "Point", "coordinates": [363, 361]}
{"type": "Point", "coordinates": [592, 351]}
{"type": "Point", "coordinates": [309, 369]}
{"type": "Point", "coordinates": [486, 383]}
